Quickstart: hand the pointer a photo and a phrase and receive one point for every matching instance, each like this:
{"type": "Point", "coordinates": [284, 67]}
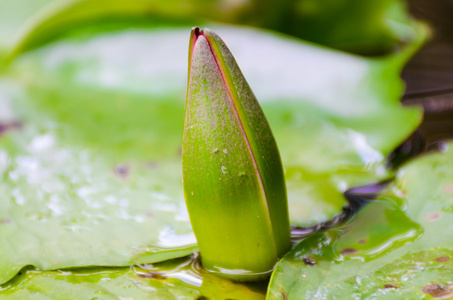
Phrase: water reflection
{"type": "Point", "coordinates": [189, 272]}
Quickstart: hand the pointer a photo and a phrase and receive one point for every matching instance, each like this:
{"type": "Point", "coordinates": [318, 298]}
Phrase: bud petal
{"type": "Point", "coordinates": [232, 173]}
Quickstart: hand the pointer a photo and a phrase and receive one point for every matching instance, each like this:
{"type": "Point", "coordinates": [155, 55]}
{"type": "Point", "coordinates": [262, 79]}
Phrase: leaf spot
{"type": "Point", "coordinates": [442, 259]}
{"type": "Point", "coordinates": [153, 165]}
{"type": "Point", "coordinates": [348, 251]}
{"type": "Point", "coordinates": [153, 275]}
{"type": "Point", "coordinates": [441, 291]}
{"type": "Point", "coordinates": [309, 261]}
{"type": "Point", "coordinates": [434, 216]}
{"type": "Point", "coordinates": [390, 286]}
{"type": "Point", "coordinates": [8, 126]}
{"type": "Point", "coordinates": [121, 170]}
{"type": "Point", "coordinates": [448, 189]}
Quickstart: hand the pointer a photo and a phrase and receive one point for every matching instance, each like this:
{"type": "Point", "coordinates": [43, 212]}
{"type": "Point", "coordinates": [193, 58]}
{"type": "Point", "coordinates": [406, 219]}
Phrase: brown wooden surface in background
{"type": "Point", "coordinates": [429, 75]}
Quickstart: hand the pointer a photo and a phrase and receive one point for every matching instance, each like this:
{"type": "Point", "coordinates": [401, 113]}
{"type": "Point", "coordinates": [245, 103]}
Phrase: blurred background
{"type": "Point", "coordinates": [429, 74]}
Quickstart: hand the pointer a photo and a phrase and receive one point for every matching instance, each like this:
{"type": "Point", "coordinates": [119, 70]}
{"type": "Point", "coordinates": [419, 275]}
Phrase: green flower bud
{"type": "Point", "coordinates": [232, 172]}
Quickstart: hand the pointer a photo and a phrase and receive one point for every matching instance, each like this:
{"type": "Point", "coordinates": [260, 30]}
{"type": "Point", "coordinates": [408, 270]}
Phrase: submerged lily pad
{"type": "Point", "coordinates": [397, 247]}
{"type": "Point", "coordinates": [177, 279]}
{"type": "Point", "coordinates": [93, 176]}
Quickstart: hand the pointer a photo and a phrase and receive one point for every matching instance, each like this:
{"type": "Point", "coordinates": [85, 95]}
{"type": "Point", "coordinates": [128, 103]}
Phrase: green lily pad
{"type": "Point", "coordinates": [397, 247]}
{"type": "Point", "coordinates": [93, 174]}
{"type": "Point", "coordinates": [177, 279]}
{"type": "Point", "coordinates": [67, 204]}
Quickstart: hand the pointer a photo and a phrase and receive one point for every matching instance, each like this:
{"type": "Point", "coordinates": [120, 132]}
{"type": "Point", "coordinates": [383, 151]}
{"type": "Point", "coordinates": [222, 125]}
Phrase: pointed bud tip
{"type": "Point", "coordinates": [196, 32]}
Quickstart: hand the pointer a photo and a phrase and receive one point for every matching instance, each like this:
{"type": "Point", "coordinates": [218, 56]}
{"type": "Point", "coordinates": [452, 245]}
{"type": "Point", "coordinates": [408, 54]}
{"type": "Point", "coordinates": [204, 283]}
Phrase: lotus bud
{"type": "Point", "coordinates": [232, 172]}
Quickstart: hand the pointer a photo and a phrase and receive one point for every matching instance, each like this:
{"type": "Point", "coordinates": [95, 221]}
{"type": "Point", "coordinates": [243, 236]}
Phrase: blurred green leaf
{"type": "Point", "coordinates": [13, 15]}
{"type": "Point", "coordinates": [364, 27]}
{"type": "Point", "coordinates": [397, 247]}
{"type": "Point", "coordinates": [372, 28]}
{"type": "Point", "coordinates": [57, 20]}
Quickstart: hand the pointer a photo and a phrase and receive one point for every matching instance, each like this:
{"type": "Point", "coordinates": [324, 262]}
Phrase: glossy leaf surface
{"type": "Point", "coordinates": [396, 247]}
